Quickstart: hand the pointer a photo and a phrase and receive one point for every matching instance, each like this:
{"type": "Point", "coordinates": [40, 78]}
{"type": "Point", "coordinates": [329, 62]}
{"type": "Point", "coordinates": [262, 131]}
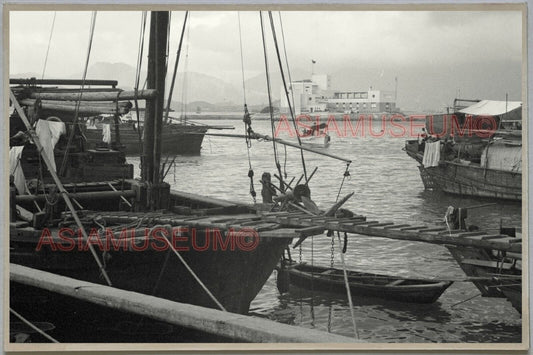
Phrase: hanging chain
{"type": "Point", "coordinates": [300, 254]}
{"type": "Point", "coordinates": [332, 261]}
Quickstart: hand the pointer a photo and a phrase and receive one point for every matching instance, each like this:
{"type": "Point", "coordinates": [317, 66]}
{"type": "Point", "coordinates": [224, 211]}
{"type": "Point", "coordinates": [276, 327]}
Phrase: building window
{"type": "Point", "coordinates": [374, 105]}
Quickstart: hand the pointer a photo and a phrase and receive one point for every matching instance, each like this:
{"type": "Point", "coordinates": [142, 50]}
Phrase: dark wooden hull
{"type": "Point", "coordinates": [481, 264]}
{"type": "Point", "coordinates": [234, 277]}
{"type": "Point", "coordinates": [182, 139]}
{"type": "Point", "coordinates": [470, 180]}
{"type": "Point", "coordinates": [366, 284]}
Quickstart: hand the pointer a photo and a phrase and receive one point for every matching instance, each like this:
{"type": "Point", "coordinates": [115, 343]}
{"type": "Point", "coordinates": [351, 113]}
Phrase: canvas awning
{"type": "Point", "coordinates": [491, 108]}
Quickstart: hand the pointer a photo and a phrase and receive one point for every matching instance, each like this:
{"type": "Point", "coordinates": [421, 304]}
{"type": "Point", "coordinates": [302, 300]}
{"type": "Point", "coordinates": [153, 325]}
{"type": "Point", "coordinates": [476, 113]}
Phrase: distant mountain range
{"type": "Point", "coordinates": [419, 88]}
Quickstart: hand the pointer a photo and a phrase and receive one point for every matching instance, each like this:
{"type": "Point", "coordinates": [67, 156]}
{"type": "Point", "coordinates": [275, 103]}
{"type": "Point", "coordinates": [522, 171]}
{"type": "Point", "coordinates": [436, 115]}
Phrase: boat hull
{"type": "Point", "coordinates": [481, 265]}
{"type": "Point", "coordinates": [234, 277]}
{"type": "Point", "coordinates": [179, 139]}
{"type": "Point", "coordinates": [468, 180]}
{"type": "Point", "coordinates": [373, 285]}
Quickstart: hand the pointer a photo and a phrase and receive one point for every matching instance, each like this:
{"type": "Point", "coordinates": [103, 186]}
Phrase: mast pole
{"type": "Point", "coordinates": [149, 114]}
{"type": "Point", "coordinates": [154, 107]}
{"type": "Point", "coordinates": [162, 18]}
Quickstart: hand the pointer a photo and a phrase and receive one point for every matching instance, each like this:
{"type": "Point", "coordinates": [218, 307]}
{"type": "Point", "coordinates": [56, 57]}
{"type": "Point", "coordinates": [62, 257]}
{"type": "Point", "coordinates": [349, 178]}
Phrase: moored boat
{"type": "Point", "coordinates": [177, 138]}
{"type": "Point", "coordinates": [106, 230]}
{"type": "Point", "coordinates": [367, 284]}
{"type": "Point", "coordinates": [476, 162]}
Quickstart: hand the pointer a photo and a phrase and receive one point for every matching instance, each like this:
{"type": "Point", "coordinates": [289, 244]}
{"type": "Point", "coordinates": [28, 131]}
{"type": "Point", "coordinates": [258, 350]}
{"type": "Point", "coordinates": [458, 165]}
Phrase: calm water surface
{"type": "Point", "coordinates": [387, 187]}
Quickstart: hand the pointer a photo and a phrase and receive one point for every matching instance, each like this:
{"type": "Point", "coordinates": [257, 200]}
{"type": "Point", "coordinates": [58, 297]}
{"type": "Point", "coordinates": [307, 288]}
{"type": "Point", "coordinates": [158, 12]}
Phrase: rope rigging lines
{"type": "Point", "coordinates": [270, 108]}
{"type": "Point", "coordinates": [285, 86]}
{"type": "Point", "coordinates": [78, 101]}
{"type": "Point", "coordinates": [49, 42]}
{"type": "Point", "coordinates": [247, 119]}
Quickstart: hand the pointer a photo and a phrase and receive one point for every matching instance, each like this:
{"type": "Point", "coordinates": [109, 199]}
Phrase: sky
{"type": "Point", "coordinates": [442, 46]}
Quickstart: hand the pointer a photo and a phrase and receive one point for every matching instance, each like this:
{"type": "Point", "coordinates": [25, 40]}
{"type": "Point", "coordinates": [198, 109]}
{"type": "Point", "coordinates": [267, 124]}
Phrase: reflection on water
{"type": "Point", "coordinates": [387, 188]}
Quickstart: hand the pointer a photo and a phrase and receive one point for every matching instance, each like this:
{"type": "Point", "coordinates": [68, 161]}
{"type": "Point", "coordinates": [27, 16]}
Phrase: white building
{"type": "Point", "coordinates": [310, 95]}
{"type": "Point", "coordinates": [362, 101]}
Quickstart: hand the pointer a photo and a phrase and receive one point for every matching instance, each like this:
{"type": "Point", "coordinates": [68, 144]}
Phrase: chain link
{"type": "Point", "coordinates": [300, 256]}
{"type": "Point", "coordinates": [332, 261]}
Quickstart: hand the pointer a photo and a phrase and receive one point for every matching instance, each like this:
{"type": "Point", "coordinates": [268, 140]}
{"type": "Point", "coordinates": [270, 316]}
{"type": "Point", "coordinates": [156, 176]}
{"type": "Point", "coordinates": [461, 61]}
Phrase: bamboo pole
{"type": "Point", "coordinates": [95, 96]}
{"type": "Point", "coordinates": [281, 141]}
{"type": "Point", "coordinates": [238, 327]}
{"type": "Point", "coordinates": [82, 196]}
{"type": "Point", "coordinates": [57, 181]}
{"type": "Point", "coordinates": [84, 108]}
{"type": "Point", "coordinates": [76, 82]}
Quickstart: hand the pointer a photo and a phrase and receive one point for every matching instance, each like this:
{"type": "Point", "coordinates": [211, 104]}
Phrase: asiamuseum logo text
{"type": "Point", "coordinates": [393, 125]}
{"type": "Point", "coordinates": [158, 239]}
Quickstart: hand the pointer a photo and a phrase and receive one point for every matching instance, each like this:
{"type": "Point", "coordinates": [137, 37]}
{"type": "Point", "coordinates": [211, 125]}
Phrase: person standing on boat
{"type": "Point", "coordinates": [267, 192]}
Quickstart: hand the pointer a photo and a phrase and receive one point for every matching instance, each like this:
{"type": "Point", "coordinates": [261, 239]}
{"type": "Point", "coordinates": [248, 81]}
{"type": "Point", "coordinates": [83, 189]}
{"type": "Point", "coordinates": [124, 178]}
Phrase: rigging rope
{"type": "Point", "coordinates": [248, 132]}
{"type": "Point", "coordinates": [242, 60]}
{"type": "Point", "coordinates": [78, 101]}
{"type": "Point", "coordinates": [183, 117]}
{"type": "Point", "coordinates": [286, 91]}
{"type": "Point", "coordinates": [178, 52]}
{"type": "Point", "coordinates": [137, 81]}
{"type": "Point", "coordinates": [270, 108]}
{"type": "Point", "coordinates": [347, 284]}
{"type": "Point", "coordinates": [34, 327]}
{"type": "Point", "coordinates": [345, 175]}
{"type": "Point", "coordinates": [169, 228]}
{"type": "Point", "coordinates": [286, 57]}
{"type": "Point", "coordinates": [49, 41]}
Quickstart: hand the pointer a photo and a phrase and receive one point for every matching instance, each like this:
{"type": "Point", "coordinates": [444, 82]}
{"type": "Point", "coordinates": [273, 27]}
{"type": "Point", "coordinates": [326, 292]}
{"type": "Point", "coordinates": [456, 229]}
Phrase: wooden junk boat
{"type": "Point", "coordinates": [92, 221]}
{"type": "Point", "coordinates": [330, 279]}
{"type": "Point", "coordinates": [177, 138]}
{"type": "Point", "coordinates": [469, 161]}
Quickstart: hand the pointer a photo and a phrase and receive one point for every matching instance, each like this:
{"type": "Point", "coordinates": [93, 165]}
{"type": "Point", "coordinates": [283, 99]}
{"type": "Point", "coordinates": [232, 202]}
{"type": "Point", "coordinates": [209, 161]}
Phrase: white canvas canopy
{"type": "Point", "coordinates": [491, 108]}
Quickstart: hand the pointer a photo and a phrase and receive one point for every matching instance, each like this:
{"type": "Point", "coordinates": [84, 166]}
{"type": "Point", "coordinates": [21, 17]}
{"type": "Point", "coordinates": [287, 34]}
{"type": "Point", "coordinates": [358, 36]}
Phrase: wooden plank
{"type": "Point", "coordinates": [314, 230]}
{"type": "Point", "coordinates": [233, 326]}
{"type": "Point", "coordinates": [18, 224]}
{"type": "Point", "coordinates": [515, 240]}
{"type": "Point", "coordinates": [383, 224]}
{"type": "Point", "coordinates": [396, 226]}
{"type": "Point", "coordinates": [395, 283]}
{"type": "Point", "coordinates": [410, 233]}
{"type": "Point", "coordinates": [469, 234]}
{"type": "Point", "coordinates": [412, 228]}
{"type": "Point", "coordinates": [493, 236]}
{"type": "Point", "coordinates": [436, 229]}
{"type": "Point", "coordinates": [487, 263]}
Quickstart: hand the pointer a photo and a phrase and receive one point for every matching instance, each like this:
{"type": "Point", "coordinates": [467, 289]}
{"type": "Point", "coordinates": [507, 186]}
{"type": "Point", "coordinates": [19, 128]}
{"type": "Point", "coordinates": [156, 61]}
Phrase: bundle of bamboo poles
{"type": "Point", "coordinates": [86, 102]}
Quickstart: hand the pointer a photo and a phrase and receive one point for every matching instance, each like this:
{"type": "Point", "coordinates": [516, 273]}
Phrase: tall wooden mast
{"type": "Point", "coordinates": [153, 119]}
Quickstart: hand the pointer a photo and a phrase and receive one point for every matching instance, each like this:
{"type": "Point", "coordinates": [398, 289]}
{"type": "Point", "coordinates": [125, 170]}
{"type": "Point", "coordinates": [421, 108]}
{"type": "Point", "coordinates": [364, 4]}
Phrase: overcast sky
{"type": "Point", "coordinates": [338, 41]}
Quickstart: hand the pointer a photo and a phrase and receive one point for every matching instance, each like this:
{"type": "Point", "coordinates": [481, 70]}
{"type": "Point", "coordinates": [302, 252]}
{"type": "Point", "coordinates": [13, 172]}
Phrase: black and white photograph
{"type": "Point", "coordinates": [333, 177]}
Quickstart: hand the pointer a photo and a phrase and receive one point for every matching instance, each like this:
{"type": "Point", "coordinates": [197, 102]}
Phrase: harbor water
{"type": "Point", "coordinates": [387, 188]}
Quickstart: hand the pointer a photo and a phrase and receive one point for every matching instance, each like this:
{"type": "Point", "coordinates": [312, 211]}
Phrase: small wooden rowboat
{"type": "Point", "coordinates": [365, 284]}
